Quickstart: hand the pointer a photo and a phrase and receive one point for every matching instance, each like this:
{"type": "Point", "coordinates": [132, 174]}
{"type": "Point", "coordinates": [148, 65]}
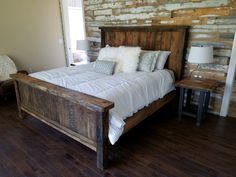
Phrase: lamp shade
{"type": "Point", "coordinates": [82, 45]}
{"type": "Point", "coordinates": [201, 54]}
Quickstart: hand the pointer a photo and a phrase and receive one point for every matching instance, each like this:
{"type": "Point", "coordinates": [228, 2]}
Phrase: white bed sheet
{"type": "Point", "coordinates": [129, 91]}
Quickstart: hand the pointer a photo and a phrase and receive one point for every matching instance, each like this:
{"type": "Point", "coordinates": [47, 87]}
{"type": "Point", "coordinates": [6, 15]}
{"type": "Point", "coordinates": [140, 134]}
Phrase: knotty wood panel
{"type": "Point", "coordinates": [132, 38]}
{"type": "Point", "coordinates": [166, 40]}
{"type": "Point", "coordinates": [120, 38]}
{"type": "Point", "coordinates": [158, 38]}
{"type": "Point", "coordinates": [59, 111]}
{"type": "Point", "coordinates": [143, 40]}
{"type": "Point", "coordinates": [116, 39]}
{"type": "Point", "coordinates": [110, 38]}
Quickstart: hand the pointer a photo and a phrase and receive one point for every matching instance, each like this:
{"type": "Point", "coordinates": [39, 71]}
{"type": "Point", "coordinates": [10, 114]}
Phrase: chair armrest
{"type": "Point", "coordinates": [23, 72]}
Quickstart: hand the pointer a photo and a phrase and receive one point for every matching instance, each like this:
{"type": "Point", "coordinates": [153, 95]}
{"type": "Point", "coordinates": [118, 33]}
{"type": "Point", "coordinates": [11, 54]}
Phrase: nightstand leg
{"type": "Point", "coordinates": [206, 103]}
{"type": "Point", "coordinates": [188, 100]}
{"type": "Point", "coordinates": [181, 103]}
{"type": "Point", "coordinates": [200, 107]}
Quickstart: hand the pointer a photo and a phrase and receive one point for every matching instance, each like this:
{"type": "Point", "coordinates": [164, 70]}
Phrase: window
{"type": "Point", "coordinates": [76, 22]}
{"type": "Point", "coordinates": [73, 27]}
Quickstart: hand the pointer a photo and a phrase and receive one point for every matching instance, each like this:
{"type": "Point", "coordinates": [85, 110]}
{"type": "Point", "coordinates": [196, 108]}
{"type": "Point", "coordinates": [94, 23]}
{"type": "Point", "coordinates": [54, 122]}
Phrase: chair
{"type": "Point", "coordinates": [7, 67]}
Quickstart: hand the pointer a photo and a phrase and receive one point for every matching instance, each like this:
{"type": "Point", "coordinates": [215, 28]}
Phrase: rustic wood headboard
{"type": "Point", "coordinates": [171, 38]}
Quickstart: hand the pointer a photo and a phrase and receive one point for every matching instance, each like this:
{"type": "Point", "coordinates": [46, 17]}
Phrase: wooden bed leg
{"type": "Point", "coordinates": [102, 139]}
{"type": "Point", "coordinates": [21, 113]}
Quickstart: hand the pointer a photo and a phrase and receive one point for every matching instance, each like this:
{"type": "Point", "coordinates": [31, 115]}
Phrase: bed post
{"type": "Point", "coordinates": [21, 113]}
{"type": "Point", "coordinates": [102, 139]}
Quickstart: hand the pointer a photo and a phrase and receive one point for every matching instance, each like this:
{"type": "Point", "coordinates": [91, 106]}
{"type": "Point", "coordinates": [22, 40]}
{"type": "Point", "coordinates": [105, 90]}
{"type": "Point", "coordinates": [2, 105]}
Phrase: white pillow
{"type": "Point", "coordinates": [108, 53]}
{"type": "Point", "coordinates": [128, 59]}
{"type": "Point", "coordinates": [147, 60]}
{"type": "Point", "coordinates": [162, 58]}
{"type": "Point", "coordinates": [105, 67]}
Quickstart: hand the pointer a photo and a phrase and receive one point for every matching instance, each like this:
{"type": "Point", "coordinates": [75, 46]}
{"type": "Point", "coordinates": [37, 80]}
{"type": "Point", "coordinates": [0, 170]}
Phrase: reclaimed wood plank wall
{"type": "Point", "coordinates": [212, 22]}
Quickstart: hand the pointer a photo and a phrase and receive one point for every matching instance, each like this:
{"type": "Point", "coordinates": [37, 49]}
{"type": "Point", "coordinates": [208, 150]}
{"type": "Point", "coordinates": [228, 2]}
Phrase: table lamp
{"type": "Point", "coordinates": [200, 55]}
{"type": "Point", "coordinates": [83, 46]}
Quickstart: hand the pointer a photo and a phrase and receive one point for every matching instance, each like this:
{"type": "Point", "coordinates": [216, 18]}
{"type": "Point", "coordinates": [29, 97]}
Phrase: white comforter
{"type": "Point", "coordinates": [129, 92]}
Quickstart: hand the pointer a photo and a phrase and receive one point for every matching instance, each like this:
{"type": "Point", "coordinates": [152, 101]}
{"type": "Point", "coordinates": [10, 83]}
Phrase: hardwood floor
{"type": "Point", "coordinates": [160, 146]}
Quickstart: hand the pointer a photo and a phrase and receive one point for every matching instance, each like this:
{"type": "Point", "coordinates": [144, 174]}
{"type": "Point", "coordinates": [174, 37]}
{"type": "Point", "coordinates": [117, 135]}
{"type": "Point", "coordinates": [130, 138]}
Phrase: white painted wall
{"type": "Point", "coordinates": [31, 33]}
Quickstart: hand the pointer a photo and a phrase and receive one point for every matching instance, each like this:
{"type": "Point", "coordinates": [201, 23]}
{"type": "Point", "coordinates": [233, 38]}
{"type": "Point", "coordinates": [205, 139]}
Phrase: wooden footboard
{"type": "Point", "coordinates": [78, 115]}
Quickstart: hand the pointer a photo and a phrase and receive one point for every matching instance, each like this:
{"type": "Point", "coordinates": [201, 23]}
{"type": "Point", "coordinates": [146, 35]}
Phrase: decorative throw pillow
{"type": "Point", "coordinates": [162, 58]}
{"type": "Point", "coordinates": [105, 67]}
{"type": "Point", "coordinates": [108, 53]}
{"type": "Point", "coordinates": [128, 58]}
{"type": "Point", "coordinates": [147, 60]}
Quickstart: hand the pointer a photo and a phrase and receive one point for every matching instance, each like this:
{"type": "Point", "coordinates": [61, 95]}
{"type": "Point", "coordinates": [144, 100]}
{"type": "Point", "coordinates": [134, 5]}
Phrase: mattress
{"type": "Point", "coordinates": [130, 92]}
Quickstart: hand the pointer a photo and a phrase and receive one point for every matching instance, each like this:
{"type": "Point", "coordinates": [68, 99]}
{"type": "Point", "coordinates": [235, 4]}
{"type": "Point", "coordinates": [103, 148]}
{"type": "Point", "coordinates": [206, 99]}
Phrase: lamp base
{"type": "Point", "coordinates": [84, 56]}
{"type": "Point", "coordinates": [197, 72]}
{"type": "Point", "coordinates": [198, 76]}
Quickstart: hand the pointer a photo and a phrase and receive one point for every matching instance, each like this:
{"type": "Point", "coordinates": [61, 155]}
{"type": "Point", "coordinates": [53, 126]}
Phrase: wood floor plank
{"type": "Point", "coordinates": [161, 146]}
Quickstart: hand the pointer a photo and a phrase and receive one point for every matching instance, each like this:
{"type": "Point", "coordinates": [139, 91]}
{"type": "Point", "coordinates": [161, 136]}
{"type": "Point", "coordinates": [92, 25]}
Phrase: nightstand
{"type": "Point", "coordinates": [188, 85]}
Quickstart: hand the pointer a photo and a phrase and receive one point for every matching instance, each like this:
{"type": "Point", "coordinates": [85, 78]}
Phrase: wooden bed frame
{"type": "Point", "coordinates": [84, 117]}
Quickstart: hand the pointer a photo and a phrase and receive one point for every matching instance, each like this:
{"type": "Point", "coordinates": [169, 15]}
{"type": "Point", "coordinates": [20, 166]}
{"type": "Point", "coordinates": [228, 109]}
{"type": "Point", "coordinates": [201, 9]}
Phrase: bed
{"type": "Point", "coordinates": [85, 118]}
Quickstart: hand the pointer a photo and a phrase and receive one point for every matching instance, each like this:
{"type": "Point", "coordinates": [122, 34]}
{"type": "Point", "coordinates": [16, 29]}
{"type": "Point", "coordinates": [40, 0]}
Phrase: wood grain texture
{"type": "Point", "coordinates": [102, 139]}
{"type": "Point", "coordinates": [160, 146]}
{"type": "Point", "coordinates": [90, 102]}
{"type": "Point", "coordinates": [147, 111]}
{"type": "Point", "coordinates": [78, 115]}
{"type": "Point", "coordinates": [198, 84]}
{"type": "Point", "coordinates": [170, 38]}
{"type": "Point", "coordinates": [84, 117]}
{"type": "Point", "coordinates": [21, 114]}
{"type": "Point", "coordinates": [211, 23]}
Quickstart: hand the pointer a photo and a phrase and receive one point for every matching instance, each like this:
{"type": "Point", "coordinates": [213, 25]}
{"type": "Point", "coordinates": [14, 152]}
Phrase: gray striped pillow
{"type": "Point", "coordinates": [105, 67]}
{"type": "Point", "coordinates": [147, 61]}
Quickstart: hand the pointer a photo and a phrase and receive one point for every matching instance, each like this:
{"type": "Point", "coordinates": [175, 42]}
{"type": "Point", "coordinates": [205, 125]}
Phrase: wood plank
{"type": "Point", "coordinates": [132, 38]}
{"type": "Point", "coordinates": [211, 11]}
{"type": "Point", "coordinates": [198, 84]}
{"type": "Point", "coordinates": [21, 114]}
{"type": "Point", "coordinates": [87, 142]}
{"type": "Point", "coordinates": [102, 139]}
{"type": "Point", "coordinates": [147, 111]}
{"type": "Point", "coordinates": [31, 148]}
{"type": "Point", "coordinates": [120, 39]}
{"type": "Point", "coordinates": [86, 100]}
